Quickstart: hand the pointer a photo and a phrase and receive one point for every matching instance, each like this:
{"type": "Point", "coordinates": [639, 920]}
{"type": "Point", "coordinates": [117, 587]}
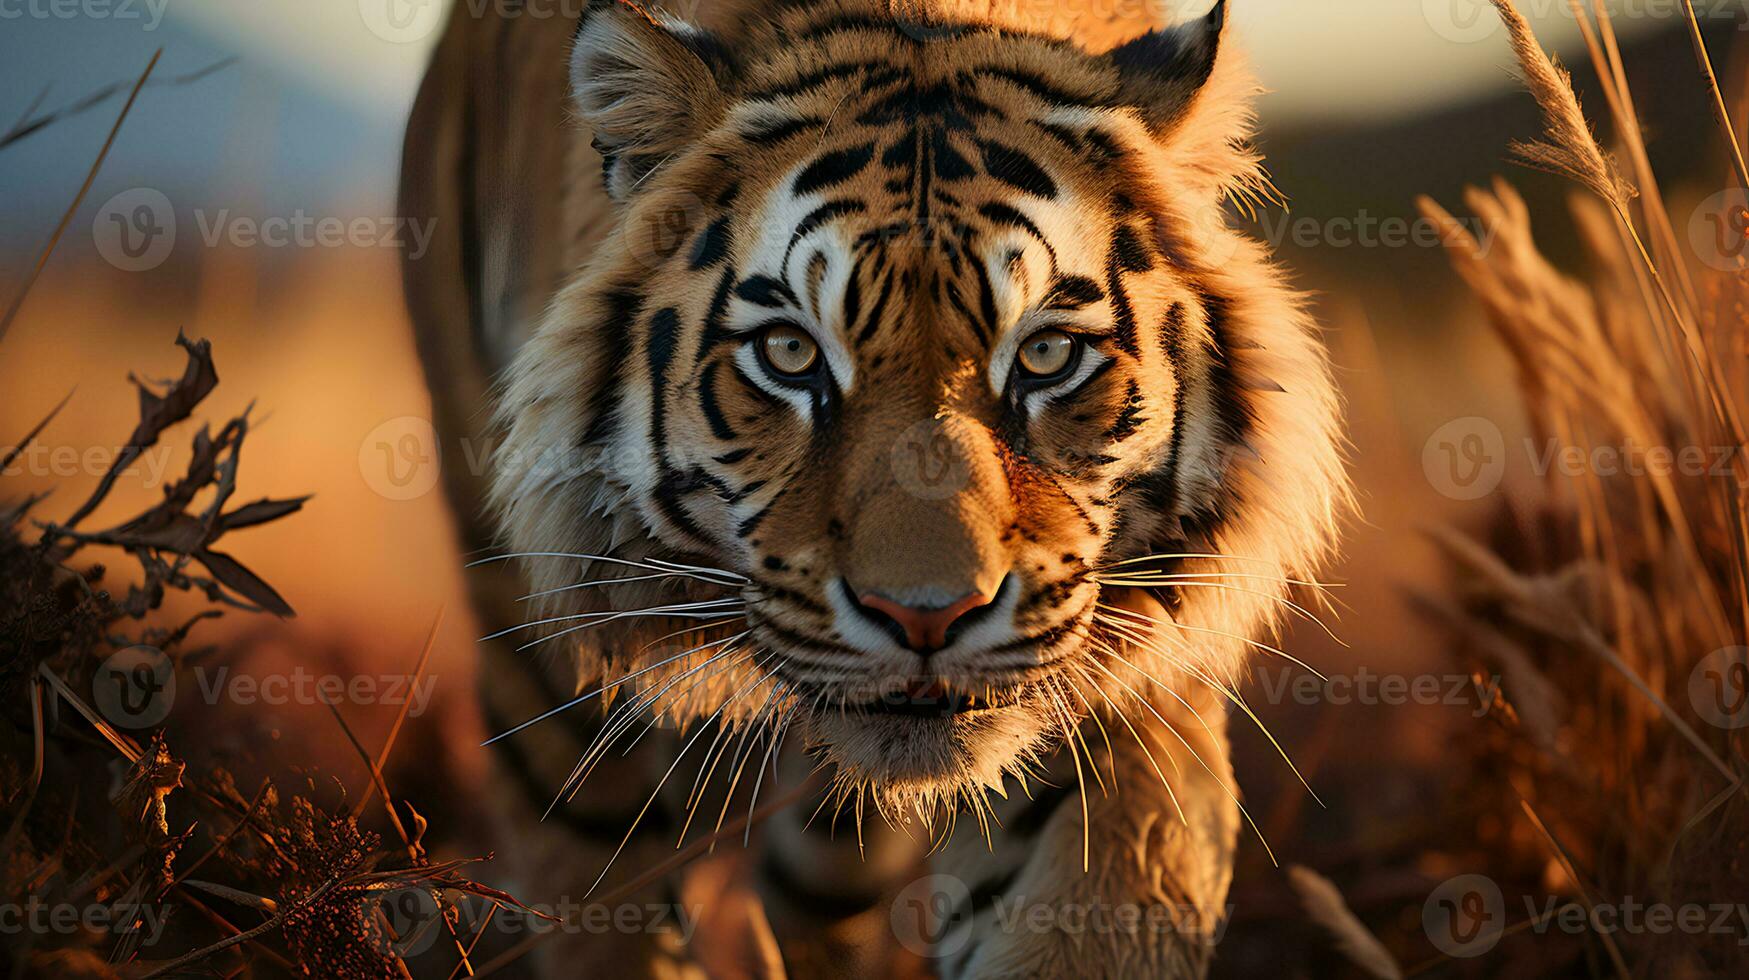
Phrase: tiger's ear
{"type": "Point", "coordinates": [1162, 71]}
{"type": "Point", "coordinates": [647, 84]}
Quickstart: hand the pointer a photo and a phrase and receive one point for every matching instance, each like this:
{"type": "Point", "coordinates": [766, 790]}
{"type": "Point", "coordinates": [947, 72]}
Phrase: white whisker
{"type": "Point", "coordinates": [606, 687]}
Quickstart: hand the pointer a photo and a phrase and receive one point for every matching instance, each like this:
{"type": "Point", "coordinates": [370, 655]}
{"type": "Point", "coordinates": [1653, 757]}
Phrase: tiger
{"type": "Point", "coordinates": [886, 410]}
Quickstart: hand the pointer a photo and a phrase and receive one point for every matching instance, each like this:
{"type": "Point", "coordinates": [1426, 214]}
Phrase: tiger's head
{"type": "Point", "coordinates": [924, 366]}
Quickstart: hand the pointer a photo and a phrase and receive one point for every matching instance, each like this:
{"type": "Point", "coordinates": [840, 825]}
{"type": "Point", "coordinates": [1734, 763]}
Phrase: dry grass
{"type": "Point", "coordinates": [1602, 595]}
{"type": "Point", "coordinates": [304, 885]}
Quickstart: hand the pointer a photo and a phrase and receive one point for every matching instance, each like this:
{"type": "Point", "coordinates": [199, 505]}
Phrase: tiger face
{"type": "Point", "coordinates": [913, 335]}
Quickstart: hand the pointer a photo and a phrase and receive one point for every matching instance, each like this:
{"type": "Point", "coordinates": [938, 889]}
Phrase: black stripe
{"type": "Point", "coordinates": [713, 412]}
{"type": "Point", "coordinates": [986, 296]}
{"type": "Point", "coordinates": [1073, 293]}
{"type": "Point", "coordinates": [622, 309]}
{"type": "Point", "coordinates": [1129, 419]}
{"type": "Point", "coordinates": [817, 217]}
{"type": "Point", "coordinates": [852, 306]}
{"type": "Point", "coordinates": [880, 308]}
{"type": "Point", "coordinates": [1006, 216]}
{"type": "Point", "coordinates": [751, 524]}
{"type": "Point", "coordinates": [712, 245]}
{"type": "Point", "coordinates": [660, 344]}
{"type": "Point", "coordinates": [1061, 134]}
{"type": "Point", "coordinates": [770, 134]}
{"type": "Point", "coordinates": [1037, 85]}
{"type": "Point", "coordinates": [833, 168]}
{"type": "Point", "coordinates": [1122, 313]}
{"type": "Point", "coordinates": [814, 79]}
{"type": "Point", "coordinates": [950, 164]}
{"type": "Point", "coordinates": [1016, 169]}
{"type": "Point", "coordinates": [767, 292]}
{"type": "Point", "coordinates": [1131, 252]}
{"type": "Point", "coordinates": [1230, 408]}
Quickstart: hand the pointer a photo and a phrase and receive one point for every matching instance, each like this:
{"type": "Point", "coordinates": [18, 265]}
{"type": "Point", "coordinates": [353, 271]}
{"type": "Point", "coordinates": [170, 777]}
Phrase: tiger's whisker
{"type": "Point", "coordinates": [663, 781]}
{"type": "Point", "coordinates": [629, 579]}
{"type": "Point", "coordinates": [1147, 644]}
{"type": "Point", "coordinates": [741, 757]}
{"type": "Point", "coordinates": [1174, 624]}
{"type": "Point", "coordinates": [1194, 754]}
{"type": "Point", "coordinates": [716, 605]}
{"type": "Point", "coordinates": [605, 688]}
{"type": "Point", "coordinates": [626, 716]}
{"type": "Point", "coordinates": [629, 614]}
{"type": "Point", "coordinates": [652, 564]}
{"type": "Point", "coordinates": [1123, 717]}
{"type": "Point", "coordinates": [1110, 755]}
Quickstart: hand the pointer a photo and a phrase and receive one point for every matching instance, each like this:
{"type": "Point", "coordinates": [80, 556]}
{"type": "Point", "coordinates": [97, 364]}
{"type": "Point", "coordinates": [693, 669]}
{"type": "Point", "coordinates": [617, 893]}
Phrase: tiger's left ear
{"type": "Point", "coordinates": [646, 83]}
{"type": "Point", "coordinates": [1162, 71]}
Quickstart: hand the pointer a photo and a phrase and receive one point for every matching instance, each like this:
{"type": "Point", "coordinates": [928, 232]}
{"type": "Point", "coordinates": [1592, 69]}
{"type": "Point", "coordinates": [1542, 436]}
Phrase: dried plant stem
{"type": "Point", "coordinates": [1615, 957]}
{"type": "Point", "coordinates": [1712, 81]}
{"type": "Point", "coordinates": [79, 198]}
{"type": "Point", "coordinates": [400, 718]}
{"type": "Point", "coordinates": [177, 965]}
{"type": "Point", "coordinates": [1612, 76]}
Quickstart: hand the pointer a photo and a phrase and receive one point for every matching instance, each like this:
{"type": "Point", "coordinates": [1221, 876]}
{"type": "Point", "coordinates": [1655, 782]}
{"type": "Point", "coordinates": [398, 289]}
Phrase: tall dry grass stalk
{"type": "Point", "coordinates": [1610, 602]}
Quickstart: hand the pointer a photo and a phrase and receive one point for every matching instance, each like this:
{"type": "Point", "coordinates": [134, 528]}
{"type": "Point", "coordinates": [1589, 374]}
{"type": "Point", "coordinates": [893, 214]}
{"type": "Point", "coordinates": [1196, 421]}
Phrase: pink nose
{"type": "Point", "coordinates": [925, 629]}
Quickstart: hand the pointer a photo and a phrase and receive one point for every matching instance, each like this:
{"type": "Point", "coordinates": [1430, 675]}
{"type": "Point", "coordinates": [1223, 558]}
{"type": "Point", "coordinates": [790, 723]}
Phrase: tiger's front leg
{"type": "Point", "coordinates": [1137, 888]}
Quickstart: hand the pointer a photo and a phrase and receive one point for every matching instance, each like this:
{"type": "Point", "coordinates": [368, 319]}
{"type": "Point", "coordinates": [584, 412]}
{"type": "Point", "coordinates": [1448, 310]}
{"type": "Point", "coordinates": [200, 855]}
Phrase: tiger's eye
{"type": "Point", "coordinates": [1046, 353]}
{"type": "Point", "coordinates": [789, 350]}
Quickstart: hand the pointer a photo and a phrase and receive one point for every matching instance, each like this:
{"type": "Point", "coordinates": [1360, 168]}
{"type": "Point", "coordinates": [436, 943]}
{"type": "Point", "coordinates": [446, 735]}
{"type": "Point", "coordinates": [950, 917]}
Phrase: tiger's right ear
{"type": "Point", "coordinates": [647, 84]}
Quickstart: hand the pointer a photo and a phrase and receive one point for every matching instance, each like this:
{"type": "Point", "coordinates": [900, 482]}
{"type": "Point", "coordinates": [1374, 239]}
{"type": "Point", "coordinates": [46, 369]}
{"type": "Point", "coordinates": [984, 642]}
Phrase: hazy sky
{"type": "Point", "coordinates": [310, 115]}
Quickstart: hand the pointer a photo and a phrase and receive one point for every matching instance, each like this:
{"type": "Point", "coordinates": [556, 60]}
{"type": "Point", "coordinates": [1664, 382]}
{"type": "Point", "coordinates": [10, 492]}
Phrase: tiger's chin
{"type": "Point", "coordinates": [920, 758]}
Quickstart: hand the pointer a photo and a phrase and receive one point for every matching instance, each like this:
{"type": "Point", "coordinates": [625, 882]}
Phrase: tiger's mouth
{"type": "Point", "coordinates": [934, 698]}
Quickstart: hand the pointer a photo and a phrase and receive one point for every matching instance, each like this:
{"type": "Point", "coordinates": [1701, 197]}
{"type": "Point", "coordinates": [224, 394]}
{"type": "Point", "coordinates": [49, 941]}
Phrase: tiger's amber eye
{"type": "Point", "coordinates": [789, 350]}
{"type": "Point", "coordinates": [1046, 353]}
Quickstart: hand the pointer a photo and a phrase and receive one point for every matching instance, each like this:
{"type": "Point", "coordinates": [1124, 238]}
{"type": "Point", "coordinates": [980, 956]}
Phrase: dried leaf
{"type": "Point", "coordinates": [234, 576]}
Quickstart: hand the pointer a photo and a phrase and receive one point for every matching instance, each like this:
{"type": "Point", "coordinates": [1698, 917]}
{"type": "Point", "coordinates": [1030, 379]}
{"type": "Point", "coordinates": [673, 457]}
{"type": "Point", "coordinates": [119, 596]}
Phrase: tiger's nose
{"type": "Point", "coordinates": [925, 629]}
